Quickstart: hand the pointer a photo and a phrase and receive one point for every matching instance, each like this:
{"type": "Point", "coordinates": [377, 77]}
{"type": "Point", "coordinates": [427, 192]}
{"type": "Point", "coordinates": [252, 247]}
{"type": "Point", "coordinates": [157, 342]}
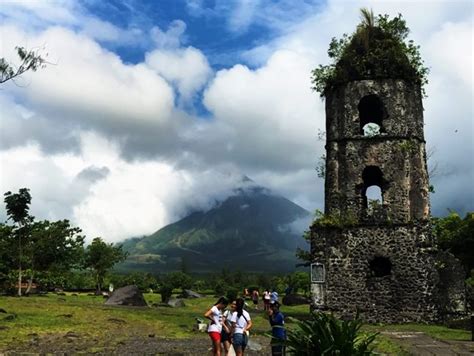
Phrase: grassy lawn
{"type": "Point", "coordinates": [87, 315]}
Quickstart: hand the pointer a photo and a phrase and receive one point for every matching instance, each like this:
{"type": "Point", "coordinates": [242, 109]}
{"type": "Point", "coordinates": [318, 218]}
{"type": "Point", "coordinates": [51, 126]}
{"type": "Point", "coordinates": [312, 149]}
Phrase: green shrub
{"type": "Point", "coordinates": [324, 334]}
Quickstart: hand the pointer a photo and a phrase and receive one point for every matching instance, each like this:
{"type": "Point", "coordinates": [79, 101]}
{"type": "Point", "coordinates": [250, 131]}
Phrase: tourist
{"type": "Point", "coordinates": [273, 296]}
{"type": "Point", "coordinates": [215, 327]}
{"type": "Point", "coordinates": [266, 299]}
{"type": "Point", "coordinates": [226, 334]}
{"type": "Point", "coordinates": [277, 321]}
{"type": "Point", "coordinates": [255, 296]}
{"type": "Point", "coordinates": [241, 324]}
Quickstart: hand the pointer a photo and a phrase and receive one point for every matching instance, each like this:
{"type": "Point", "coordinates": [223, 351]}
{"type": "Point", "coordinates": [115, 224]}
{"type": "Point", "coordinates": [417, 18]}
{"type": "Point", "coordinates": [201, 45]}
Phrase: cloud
{"type": "Point", "coordinates": [185, 68]}
{"type": "Point", "coordinates": [87, 87]}
{"type": "Point", "coordinates": [173, 37]}
{"type": "Point", "coordinates": [111, 146]}
{"type": "Point", "coordinates": [93, 174]}
{"type": "Point", "coordinates": [272, 107]}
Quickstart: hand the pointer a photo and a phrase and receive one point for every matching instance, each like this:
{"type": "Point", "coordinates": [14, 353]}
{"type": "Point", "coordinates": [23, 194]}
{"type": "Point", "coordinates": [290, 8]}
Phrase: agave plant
{"type": "Point", "coordinates": [324, 334]}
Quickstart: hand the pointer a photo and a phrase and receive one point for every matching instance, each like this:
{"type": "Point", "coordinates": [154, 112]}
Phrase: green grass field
{"type": "Point", "coordinates": [88, 316]}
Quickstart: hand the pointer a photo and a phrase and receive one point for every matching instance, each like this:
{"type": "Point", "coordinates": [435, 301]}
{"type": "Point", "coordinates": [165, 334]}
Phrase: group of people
{"type": "Point", "coordinates": [267, 297]}
{"type": "Point", "coordinates": [230, 324]}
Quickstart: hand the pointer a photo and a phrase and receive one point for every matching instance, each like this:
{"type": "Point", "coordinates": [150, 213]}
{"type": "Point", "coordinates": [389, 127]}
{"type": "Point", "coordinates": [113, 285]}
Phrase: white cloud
{"type": "Point", "coordinates": [187, 68]}
{"type": "Point", "coordinates": [273, 108]}
{"type": "Point", "coordinates": [101, 142]}
{"type": "Point", "coordinates": [39, 13]}
{"type": "Point", "coordinates": [173, 37]}
{"type": "Point", "coordinates": [88, 87]}
{"type": "Point", "coordinates": [242, 15]}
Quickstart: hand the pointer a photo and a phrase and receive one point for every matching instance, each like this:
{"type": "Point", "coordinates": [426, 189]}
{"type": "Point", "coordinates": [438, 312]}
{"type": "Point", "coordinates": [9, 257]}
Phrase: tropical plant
{"type": "Point", "coordinates": [324, 334]}
{"type": "Point", "coordinates": [376, 50]}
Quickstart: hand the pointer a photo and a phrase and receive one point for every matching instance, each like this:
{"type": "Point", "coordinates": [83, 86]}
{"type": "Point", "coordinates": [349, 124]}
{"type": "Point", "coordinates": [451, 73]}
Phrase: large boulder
{"type": "Point", "coordinates": [295, 299]}
{"type": "Point", "coordinates": [128, 295]}
{"type": "Point", "coordinates": [187, 293]}
{"type": "Point", "coordinates": [176, 303]}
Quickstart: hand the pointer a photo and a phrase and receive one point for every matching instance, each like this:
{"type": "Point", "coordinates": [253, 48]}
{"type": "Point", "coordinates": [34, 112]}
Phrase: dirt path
{"type": "Point", "coordinates": [72, 343]}
{"type": "Point", "coordinates": [418, 343]}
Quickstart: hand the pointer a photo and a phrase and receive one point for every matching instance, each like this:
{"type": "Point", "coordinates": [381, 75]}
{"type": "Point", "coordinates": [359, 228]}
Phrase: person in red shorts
{"type": "Point", "coordinates": [215, 327]}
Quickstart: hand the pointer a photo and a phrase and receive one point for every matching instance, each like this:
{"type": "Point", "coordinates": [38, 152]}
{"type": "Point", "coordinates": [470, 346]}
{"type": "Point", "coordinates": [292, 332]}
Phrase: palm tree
{"type": "Point", "coordinates": [366, 27]}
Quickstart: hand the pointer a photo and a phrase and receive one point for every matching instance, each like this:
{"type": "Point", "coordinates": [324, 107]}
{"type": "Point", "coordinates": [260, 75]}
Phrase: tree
{"type": "Point", "coordinates": [7, 258]}
{"type": "Point", "coordinates": [18, 206]}
{"type": "Point", "coordinates": [298, 280]}
{"type": "Point", "coordinates": [456, 235]}
{"type": "Point", "coordinates": [101, 257]}
{"type": "Point", "coordinates": [30, 60]}
{"type": "Point", "coordinates": [172, 281]}
{"type": "Point", "coordinates": [53, 247]}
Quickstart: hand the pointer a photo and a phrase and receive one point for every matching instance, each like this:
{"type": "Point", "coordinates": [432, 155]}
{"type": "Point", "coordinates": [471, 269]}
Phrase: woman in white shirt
{"type": "Point", "coordinates": [215, 327]}
{"type": "Point", "coordinates": [241, 324]}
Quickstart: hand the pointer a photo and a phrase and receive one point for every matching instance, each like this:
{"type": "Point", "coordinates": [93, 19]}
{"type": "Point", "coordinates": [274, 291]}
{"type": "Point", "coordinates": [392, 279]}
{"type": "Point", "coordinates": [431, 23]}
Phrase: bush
{"type": "Point", "coordinates": [324, 334]}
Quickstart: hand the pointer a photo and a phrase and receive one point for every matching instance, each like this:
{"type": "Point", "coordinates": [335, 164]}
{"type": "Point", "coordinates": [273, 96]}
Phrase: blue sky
{"type": "Point", "coordinates": [148, 110]}
{"type": "Point", "coordinates": [211, 26]}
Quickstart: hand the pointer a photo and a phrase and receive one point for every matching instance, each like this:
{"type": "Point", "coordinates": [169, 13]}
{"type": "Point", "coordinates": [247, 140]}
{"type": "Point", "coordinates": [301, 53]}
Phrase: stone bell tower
{"type": "Point", "coordinates": [376, 253]}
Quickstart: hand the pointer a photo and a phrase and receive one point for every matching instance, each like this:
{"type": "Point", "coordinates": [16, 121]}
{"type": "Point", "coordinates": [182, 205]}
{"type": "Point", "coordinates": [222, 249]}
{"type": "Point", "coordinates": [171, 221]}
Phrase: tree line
{"type": "Point", "coordinates": [32, 249]}
{"type": "Point", "coordinates": [53, 254]}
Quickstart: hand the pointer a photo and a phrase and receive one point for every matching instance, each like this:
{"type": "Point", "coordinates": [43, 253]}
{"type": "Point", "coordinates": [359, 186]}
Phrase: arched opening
{"type": "Point", "coordinates": [380, 266]}
{"type": "Point", "coordinates": [373, 195]}
{"type": "Point", "coordinates": [373, 183]}
{"type": "Point", "coordinates": [371, 115]}
{"type": "Point", "coordinates": [372, 192]}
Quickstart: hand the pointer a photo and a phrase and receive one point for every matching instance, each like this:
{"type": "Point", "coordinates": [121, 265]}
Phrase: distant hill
{"type": "Point", "coordinates": [252, 230]}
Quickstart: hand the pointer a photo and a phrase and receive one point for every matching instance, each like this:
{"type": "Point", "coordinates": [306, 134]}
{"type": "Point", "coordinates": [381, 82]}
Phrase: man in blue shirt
{"type": "Point", "coordinates": [277, 321]}
{"type": "Point", "coordinates": [273, 296]}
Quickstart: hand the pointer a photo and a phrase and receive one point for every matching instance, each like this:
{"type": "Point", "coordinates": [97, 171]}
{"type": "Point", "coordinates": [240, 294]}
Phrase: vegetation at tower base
{"type": "Point", "coordinates": [376, 50]}
{"type": "Point", "coordinates": [324, 334]}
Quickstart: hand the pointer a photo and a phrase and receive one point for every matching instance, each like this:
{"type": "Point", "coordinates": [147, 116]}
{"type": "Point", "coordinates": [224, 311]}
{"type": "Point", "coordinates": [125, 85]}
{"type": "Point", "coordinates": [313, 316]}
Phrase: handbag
{"type": "Point", "coordinates": [231, 351]}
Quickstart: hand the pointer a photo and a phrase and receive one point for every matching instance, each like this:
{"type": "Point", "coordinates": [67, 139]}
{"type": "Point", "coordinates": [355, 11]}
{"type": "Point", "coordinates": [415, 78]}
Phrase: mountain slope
{"type": "Point", "coordinates": [253, 230]}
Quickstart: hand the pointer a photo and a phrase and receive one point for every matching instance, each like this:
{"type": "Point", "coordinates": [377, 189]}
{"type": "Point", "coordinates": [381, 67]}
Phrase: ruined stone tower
{"type": "Point", "coordinates": [375, 255]}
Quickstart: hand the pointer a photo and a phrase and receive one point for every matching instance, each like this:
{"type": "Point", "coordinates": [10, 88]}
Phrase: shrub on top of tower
{"type": "Point", "coordinates": [376, 50]}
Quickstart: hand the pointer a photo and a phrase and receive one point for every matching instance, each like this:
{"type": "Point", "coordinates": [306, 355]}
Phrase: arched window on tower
{"type": "Point", "coordinates": [372, 189]}
{"type": "Point", "coordinates": [371, 115]}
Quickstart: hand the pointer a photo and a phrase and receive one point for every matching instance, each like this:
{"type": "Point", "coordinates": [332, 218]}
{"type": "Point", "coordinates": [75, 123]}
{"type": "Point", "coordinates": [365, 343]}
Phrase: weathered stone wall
{"type": "Point", "coordinates": [403, 165]}
{"type": "Point", "coordinates": [380, 259]}
{"type": "Point", "coordinates": [399, 152]}
{"type": "Point", "coordinates": [407, 293]}
{"type": "Point", "coordinates": [402, 105]}
{"type": "Point", "coordinates": [451, 290]}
